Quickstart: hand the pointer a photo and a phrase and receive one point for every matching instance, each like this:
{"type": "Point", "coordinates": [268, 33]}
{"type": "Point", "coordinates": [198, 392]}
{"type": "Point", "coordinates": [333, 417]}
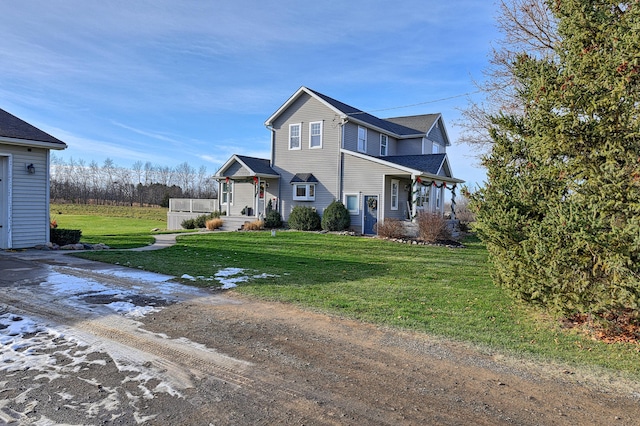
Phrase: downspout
{"type": "Point", "coordinates": [340, 187]}
{"type": "Point", "coordinates": [278, 205]}
{"type": "Point", "coordinates": [48, 195]}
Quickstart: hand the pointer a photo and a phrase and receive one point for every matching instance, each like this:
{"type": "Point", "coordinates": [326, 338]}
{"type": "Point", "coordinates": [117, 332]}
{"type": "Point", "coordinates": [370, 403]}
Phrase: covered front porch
{"type": "Point", "coordinates": [247, 187]}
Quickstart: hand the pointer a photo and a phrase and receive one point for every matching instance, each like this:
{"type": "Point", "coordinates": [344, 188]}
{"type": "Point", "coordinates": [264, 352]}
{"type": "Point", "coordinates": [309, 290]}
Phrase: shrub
{"type": "Point", "coordinates": [304, 219]}
{"type": "Point", "coordinates": [272, 219]}
{"type": "Point", "coordinates": [256, 225]}
{"type": "Point", "coordinates": [390, 228]}
{"type": "Point", "coordinates": [188, 224]}
{"type": "Point", "coordinates": [336, 217]}
{"type": "Point", "coordinates": [200, 221]}
{"type": "Point", "coordinates": [432, 227]}
{"type": "Point", "coordinates": [212, 224]}
{"type": "Point", "coordinates": [62, 237]}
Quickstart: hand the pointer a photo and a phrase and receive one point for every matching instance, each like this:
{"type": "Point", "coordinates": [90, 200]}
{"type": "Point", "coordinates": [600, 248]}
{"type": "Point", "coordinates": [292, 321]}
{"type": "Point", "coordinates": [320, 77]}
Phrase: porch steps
{"type": "Point", "coordinates": [234, 223]}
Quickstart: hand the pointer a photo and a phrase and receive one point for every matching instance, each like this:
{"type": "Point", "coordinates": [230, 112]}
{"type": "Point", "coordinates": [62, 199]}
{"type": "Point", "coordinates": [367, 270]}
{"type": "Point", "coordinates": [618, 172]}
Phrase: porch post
{"type": "Point", "coordinates": [256, 198]}
{"type": "Point", "coordinates": [415, 193]}
{"type": "Point", "coordinates": [453, 202]}
{"type": "Point", "coordinates": [228, 201]}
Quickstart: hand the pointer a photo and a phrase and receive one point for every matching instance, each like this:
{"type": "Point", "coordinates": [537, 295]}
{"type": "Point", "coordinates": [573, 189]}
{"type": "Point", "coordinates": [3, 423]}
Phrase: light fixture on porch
{"type": "Point", "coordinates": [31, 169]}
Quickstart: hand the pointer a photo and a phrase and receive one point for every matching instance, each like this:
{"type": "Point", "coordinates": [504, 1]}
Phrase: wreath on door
{"type": "Point", "coordinates": [372, 203]}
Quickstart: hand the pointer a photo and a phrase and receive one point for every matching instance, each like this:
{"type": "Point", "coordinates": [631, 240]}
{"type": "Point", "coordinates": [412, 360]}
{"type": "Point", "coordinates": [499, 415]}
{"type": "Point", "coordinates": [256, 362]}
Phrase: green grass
{"type": "Point", "coordinates": [440, 291]}
{"type": "Point", "coordinates": [115, 226]}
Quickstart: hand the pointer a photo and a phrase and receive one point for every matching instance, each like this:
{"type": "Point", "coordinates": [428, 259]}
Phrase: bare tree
{"type": "Point", "coordinates": [528, 27]}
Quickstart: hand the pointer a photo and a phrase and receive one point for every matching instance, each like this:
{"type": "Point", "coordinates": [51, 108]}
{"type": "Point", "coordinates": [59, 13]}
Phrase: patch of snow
{"type": "Point", "coordinates": [128, 309]}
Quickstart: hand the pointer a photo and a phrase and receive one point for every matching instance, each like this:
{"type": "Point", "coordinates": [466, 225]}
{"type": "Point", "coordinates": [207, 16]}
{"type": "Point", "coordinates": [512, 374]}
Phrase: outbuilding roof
{"type": "Point", "coordinates": [15, 128]}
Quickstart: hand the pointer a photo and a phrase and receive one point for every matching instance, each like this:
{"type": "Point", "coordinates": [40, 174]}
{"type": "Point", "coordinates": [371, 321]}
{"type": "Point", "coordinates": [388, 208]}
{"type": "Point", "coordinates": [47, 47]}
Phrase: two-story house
{"type": "Point", "coordinates": [324, 150]}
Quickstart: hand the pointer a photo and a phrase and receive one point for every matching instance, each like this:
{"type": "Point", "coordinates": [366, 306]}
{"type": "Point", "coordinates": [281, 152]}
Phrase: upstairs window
{"type": "Point", "coordinates": [362, 139]}
{"type": "Point", "coordinates": [315, 134]}
{"type": "Point", "coordinates": [294, 136]}
{"type": "Point", "coordinates": [304, 192]}
{"type": "Point", "coordinates": [384, 142]}
{"type": "Point", "coordinates": [435, 148]}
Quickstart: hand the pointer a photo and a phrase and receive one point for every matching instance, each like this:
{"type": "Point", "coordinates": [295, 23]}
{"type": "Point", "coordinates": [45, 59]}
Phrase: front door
{"type": "Point", "coordinates": [261, 206]}
{"type": "Point", "coordinates": [370, 214]}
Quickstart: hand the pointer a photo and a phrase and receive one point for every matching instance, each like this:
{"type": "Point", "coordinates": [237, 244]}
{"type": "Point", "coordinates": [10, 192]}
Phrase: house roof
{"type": "Point", "coordinates": [429, 163]}
{"type": "Point", "coordinates": [255, 166]}
{"type": "Point", "coordinates": [304, 178]}
{"type": "Point", "coordinates": [259, 166]}
{"type": "Point", "coordinates": [358, 115]}
{"type": "Point", "coordinates": [14, 128]}
{"type": "Point", "coordinates": [394, 128]}
{"type": "Point", "coordinates": [425, 164]}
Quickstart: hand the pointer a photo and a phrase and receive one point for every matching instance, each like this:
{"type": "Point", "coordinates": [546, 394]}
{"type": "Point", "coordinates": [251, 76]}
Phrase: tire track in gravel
{"type": "Point", "coordinates": [114, 333]}
{"type": "Point", "coordinates": [179, 361]}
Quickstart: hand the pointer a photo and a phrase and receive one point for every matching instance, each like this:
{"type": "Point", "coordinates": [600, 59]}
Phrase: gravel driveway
{"type": "Point", "coordinates": [88, 343]}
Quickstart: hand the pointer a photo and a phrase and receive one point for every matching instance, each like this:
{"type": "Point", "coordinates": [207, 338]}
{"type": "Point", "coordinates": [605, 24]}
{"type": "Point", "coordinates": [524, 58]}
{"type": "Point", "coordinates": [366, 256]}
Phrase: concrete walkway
{"type": "Point", "coordinates": [162, 241]}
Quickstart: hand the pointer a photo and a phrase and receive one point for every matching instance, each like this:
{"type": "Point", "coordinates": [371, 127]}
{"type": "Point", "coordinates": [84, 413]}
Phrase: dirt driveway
{"type": "Point", "coordinates": [88, 343]}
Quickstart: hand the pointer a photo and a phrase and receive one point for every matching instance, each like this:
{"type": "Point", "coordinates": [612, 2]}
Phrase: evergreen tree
{"type": "Point", "coordinates": [560, 213]}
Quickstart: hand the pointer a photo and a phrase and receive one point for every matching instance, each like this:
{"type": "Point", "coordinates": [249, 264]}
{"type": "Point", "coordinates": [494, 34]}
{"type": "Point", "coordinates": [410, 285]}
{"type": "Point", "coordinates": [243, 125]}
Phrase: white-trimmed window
{"type": "Point", "coordinates": [384, 145]}
{"type": "Point", "coordinates": [395, 188]}
{"type": "Point", "coordinates": [227, 191]}
{"type": "Point", "coordinates": [352, 203]}
{"type": "Point", "coordinates": [435, 148]}
{"type": "Point", "coordinates": [315, 134]}
{"type": "Point", "coordinates": [362, 139]}
{"type": "Point", "coordinates": [295, 135]}
{"type": "Point", "coordinates": [304, 191]}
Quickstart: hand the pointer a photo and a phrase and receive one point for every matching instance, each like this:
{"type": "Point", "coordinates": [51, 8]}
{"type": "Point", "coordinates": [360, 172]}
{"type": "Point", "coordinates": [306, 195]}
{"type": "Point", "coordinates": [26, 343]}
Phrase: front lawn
{"type": "Point", "coordinates": [437, 290]}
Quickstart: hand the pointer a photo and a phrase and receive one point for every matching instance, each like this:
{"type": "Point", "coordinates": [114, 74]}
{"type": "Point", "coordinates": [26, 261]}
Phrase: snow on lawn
{"type": "Point", "coordinates": [229, 277]}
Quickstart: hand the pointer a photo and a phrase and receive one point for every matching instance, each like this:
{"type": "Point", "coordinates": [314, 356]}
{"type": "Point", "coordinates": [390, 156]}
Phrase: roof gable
{"type": "Point", "coordinates": [15, 128]}
{"type": "Point", "coordinates": [255, 166]}
{"type": "Point", "coordinates": [426, 123]}
{"type": "Point", "coordinates": [350, 113]}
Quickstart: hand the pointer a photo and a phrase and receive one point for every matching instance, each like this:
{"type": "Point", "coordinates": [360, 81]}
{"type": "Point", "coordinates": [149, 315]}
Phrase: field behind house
{"type": "Point", "coordinates": [441, 291]}
{"type": "Point", "coordinates": [115, 226]}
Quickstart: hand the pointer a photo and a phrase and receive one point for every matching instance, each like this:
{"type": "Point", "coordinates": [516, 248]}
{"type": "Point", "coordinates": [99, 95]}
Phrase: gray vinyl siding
{"type": "Point", "coordinates": [236, 169]}
{"type": "Point", "coordinates": [410, 147]}
{"type": "Point", "coordinates": [30, 196]}
{"type": "Point", "coordinates": [437, 136]}
{"type": "Point", "coordinates": [321, 162]}
{"type": "Point", "coordinates": [366, 177]}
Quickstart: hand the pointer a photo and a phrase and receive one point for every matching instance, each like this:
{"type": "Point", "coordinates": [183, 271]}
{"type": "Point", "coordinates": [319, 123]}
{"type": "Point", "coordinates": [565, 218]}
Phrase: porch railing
{"type": "Point", "coordinates": [193, 205]}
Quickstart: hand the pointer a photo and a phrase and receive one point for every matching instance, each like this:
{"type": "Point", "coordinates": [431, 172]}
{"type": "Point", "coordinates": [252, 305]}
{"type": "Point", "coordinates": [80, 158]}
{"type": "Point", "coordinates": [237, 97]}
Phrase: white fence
{"type": "Point", "coordinates": [188, 208]}
{"type": "Point", "coordinates": [191, 205]}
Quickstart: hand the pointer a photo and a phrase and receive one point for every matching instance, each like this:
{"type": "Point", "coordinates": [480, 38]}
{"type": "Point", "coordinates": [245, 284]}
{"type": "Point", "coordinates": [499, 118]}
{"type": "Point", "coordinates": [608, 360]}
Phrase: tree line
{"type": "Point", "coordinates": [76, 181]}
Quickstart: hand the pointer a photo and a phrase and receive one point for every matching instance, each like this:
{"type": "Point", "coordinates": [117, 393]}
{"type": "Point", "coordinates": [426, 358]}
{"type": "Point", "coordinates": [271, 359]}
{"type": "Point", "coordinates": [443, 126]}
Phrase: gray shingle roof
{"type": "Point", "coordinates": [423, 122]}
{"type": "Point", "coordinates": [259, 166]}
{"type": "Point", "coordinates": [304, 177]}
{"type": "Point", "coordinates": [13, 127]}
{"type": "Point", "coordinates": [395, 128]}
{"type": "Point", "coordinates": [429, 163]}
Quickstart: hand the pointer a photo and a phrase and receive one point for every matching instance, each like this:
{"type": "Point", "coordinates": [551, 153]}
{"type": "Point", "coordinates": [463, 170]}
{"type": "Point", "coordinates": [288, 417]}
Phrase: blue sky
{"type": "Point", "coordinates": [169, 81]}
